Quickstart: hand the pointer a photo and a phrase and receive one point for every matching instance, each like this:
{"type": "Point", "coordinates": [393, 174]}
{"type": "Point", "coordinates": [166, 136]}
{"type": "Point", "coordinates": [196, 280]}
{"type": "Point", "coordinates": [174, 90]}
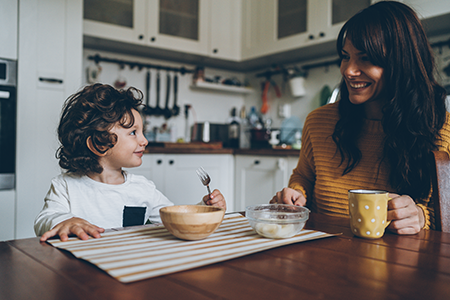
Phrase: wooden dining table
{"type": "Point", "coordinates": [339, 267]}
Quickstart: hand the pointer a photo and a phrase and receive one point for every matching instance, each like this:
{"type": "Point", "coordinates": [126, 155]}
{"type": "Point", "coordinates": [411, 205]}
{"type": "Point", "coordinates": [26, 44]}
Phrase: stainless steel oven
{"type": "Point", "coordinates": [8, 108]}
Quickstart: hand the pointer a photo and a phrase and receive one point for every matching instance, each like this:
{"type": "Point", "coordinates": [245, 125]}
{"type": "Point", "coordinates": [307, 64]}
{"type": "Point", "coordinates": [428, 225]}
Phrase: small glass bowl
{"type": "Point", "coordinates": [277, 221]}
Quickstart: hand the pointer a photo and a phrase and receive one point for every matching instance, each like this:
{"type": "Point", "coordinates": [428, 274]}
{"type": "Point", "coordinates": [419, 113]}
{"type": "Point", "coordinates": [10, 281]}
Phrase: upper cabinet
{"type": "Point", "coordinates": [232, 30]}
{"type": "Point", "coordinates": [225, 30]}
{"type": "Point", "coordinates": [117, 20]}
{"type": "Point", "coordinates": [8, 34]}
{"type": "Point", "coordinates": [201, 27]}
{"type": "Point", "coordinates": [272, 26]}
{"type": "Point", "coordinates": [178, 25]}
{"type": "Point", "coordinates": [429, 8]}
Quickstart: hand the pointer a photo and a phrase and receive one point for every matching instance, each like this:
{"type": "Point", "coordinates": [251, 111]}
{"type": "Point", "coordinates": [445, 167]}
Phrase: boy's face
{"type": "Point", "coordinates": [130, 146]}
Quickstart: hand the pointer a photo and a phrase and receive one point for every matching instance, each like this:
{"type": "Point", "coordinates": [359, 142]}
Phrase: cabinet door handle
{"type": "Point", "coordinates": [311, 37]}
{"type": "Point", "coordinates": [152, 39]}
{"type": "Point", "coordinates": [215, 50]}
{"type": "Point", "coordinates": [256, 162]}
{"type": "Point", "coordinates": [171, 162]}
{"type": "Point", "coordinates": [141, 36]}
{"type": "Point", "coordinates": [51, 80]}
{"type": "Point", "coordinates": [159, 161]}
{"type": "Point", "coordinates": [282, 164]}
{"type": "Point", "coordinates": [322, 34]}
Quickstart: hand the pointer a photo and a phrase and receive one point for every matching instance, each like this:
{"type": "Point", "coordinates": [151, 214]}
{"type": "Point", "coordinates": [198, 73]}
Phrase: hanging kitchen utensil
{"type": "Point", "coordinates": [265, 93]}
{"type": "Point", "coordinates": [265, 105]}
{"type": "Point", "coordinates": [175, 108]}
{"type": "Point", "coordinates": [167, 112]}
{"type": "Point", "coordinates": [148, 110]}
{"type": "Point", "coordinates": [93, 72]}
{"type": "Point", "coordinates": [120, 82]}
{"type": "Point", "coordinates": [158, 110]}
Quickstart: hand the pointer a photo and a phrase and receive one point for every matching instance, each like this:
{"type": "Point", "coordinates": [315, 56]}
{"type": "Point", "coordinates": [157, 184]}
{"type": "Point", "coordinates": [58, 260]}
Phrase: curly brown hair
{"type": "Point", "coordinates": [90, 114]}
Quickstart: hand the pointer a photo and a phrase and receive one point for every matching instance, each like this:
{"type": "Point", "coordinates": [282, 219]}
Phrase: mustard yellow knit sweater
{"type": "Point", "coordinates": [319, 175]}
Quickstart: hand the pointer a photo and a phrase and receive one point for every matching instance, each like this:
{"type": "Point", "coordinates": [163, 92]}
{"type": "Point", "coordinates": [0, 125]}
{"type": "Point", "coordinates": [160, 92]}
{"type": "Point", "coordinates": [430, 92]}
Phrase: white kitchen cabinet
{"type": "Point", "coordinates": [429, 8]}
{"type": "Point", "coordinates": [258, 178]}
{"type": "Point", "coordinates": [174, 175]}
{"type": "Point", "coordinates": [49, 70]}
{"type": "Point", "coordinates": [292, 164]}
{"type": "Point", "coordinates": [272, 26]}
{"type": "Point", "coordinates": [117, 20]}
{"type": "Point", "coordinates": [8, 32]}
{"type": "Point", "coordinates": [225, 30]}
{"type": "Point", "coordinates": [156, 23]}
{"type": "Point", "coordinates": [7, 211]}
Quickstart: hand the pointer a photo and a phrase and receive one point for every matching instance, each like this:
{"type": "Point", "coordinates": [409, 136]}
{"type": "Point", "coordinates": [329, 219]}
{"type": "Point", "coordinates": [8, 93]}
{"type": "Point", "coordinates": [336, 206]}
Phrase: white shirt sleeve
{"type": "Point", "coordinates": [56, 207]}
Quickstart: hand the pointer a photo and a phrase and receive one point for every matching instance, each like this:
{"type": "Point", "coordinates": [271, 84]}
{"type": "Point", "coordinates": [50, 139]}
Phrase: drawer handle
{"type": "Point", "coordinates": [152, 39]}
{"type": "Point", "coordinates": [51, 80]}
{"type": "Point", "coordinates": [171, 162]}
{"type": "Point", "coordinates": [257, 162]}
{"type": "Point", "coordinates": [159, 161]}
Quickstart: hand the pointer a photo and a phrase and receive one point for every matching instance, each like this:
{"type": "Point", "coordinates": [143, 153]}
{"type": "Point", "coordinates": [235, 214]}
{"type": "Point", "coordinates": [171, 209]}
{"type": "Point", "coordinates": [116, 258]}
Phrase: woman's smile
{"type": "Point", "coordinates": [358, 85]}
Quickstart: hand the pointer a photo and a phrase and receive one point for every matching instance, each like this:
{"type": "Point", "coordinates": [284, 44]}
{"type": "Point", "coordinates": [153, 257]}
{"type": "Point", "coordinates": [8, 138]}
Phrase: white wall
{"type": "Point", "coordinates": [212, 106]}
{"type": "Point", "coordinates": [215, 106]}
{"type": "Point", "coordinates": [315, 80]}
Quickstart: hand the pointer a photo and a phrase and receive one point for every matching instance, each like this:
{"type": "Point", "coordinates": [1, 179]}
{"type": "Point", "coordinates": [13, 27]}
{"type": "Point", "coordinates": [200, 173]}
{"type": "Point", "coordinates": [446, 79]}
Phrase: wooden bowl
{"type": "Point", "coordinates": [191, 222]}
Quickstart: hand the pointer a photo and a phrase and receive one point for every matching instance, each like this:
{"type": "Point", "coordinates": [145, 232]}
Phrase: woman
{"type": "Point", "coordinates": [381, 134]}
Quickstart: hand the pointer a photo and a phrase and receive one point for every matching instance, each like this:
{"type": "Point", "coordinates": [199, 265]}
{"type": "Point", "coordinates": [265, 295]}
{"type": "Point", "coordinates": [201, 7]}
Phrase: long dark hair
{"type": "Point", "coordinates": [393, 38]}
{"type": "Point", "coordinates": [91, 113]}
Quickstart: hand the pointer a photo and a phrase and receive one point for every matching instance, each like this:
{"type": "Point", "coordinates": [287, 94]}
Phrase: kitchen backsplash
{"type": "Point", "coordinates": [206, 105]}
{"type": "Point", "coordinates": [215, 106]}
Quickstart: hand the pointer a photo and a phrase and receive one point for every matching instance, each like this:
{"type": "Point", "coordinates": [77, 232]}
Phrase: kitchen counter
{"type": "Point", "coordinates": [206, 148]}
{"type": "Point", "coordinates": [267, 152]}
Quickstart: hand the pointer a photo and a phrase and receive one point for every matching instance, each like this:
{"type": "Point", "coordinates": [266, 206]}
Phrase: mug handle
{"type": "Point", "coordinates": [388, 222]}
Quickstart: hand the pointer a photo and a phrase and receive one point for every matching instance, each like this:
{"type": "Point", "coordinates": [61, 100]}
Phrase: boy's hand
{"type": "Point", "coordinates": [216, 199]}
{"type": "Point", "coordinates": [77, 226]}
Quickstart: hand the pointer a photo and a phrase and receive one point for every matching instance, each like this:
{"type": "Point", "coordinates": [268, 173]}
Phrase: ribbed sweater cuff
{"type": "Point", "coordinates": [299, 188]}
{"type": "Point", "coordinates": [426, 215]}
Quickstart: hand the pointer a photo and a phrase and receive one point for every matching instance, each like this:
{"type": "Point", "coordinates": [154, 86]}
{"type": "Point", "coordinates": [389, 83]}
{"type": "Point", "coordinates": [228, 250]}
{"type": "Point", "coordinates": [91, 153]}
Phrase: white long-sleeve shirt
{"type": "Point", "coordinates": [98, 203]}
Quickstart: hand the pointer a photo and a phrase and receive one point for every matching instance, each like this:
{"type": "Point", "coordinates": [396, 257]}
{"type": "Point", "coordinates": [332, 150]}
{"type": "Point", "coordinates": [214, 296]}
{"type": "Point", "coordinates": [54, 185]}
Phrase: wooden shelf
{"type": "Point", "coordinates": [201, 85]}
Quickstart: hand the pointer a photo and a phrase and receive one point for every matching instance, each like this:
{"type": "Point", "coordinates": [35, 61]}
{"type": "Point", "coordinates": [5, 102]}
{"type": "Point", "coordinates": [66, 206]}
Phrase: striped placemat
{"type": "Point", "coordinates": [136, 254]}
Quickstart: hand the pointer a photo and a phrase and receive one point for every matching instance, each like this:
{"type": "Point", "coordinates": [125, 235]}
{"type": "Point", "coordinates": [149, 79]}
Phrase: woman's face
{"type": "Point", "coordinates": [364, 80]}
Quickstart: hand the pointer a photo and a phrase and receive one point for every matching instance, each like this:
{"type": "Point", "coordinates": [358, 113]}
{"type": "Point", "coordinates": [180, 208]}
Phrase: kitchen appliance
{"type": "Point", "coordinates": [210, 132]}
{"type": "Point", "coordinates": [8, 106]}
{"type": "Point", "coordinates": [259, 138]}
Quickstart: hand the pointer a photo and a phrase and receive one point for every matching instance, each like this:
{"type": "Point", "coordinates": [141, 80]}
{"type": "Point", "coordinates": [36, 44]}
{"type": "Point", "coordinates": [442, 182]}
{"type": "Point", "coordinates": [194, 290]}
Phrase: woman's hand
{"type": "Point", "coordinates": [289, 196]}
{"type": "Point", "coordinates": [216, 199]}
{"type": "Point", "coordinates": [406, 217]}
{"type": "Point", "coordinates": [77, 226]}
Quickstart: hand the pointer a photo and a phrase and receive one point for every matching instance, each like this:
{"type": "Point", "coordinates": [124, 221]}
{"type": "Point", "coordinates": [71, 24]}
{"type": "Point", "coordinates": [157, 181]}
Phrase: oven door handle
{"type": "Point", "coordinates": [5, 94]}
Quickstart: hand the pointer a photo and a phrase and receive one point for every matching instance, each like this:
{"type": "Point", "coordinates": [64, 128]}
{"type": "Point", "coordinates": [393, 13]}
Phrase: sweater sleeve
{"type": "Point", "coordinates": [303, 176]}
{"type": "Point", "coordinates": [56, 207]}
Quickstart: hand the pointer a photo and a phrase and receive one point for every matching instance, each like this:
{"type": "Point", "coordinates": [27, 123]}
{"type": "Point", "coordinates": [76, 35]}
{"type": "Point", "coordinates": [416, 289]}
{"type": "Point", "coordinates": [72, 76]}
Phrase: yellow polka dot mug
{"type": "Point", "coordinates": [368, 211]}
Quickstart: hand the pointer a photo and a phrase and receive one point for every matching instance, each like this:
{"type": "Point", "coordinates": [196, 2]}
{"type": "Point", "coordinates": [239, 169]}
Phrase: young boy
{"type": "Point", "coordinates": [101, 132]}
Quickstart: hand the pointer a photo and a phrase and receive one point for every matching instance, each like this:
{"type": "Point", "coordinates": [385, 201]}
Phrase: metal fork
{"type": "Point", "coordinates": [204, 178]}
